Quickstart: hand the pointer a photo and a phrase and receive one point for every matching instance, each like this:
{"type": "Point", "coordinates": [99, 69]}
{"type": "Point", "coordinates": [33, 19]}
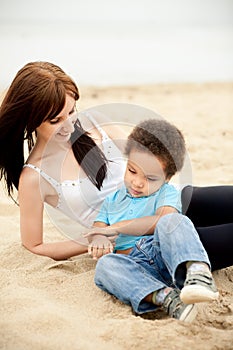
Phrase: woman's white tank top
{"type": "Point", "coordinates": [79, 199]}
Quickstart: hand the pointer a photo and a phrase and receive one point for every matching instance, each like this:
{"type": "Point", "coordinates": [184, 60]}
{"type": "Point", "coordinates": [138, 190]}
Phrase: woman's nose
{"type": "Point", "coordinates": [68, 125]}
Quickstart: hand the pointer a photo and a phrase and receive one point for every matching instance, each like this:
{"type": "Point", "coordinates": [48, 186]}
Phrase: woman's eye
{"type": "Point", "coordinates": [54, 121]}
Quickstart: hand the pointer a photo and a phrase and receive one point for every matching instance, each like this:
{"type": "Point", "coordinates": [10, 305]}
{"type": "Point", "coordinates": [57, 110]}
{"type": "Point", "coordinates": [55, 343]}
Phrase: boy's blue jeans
{"type": "Point", "coordinates": [155, 262]}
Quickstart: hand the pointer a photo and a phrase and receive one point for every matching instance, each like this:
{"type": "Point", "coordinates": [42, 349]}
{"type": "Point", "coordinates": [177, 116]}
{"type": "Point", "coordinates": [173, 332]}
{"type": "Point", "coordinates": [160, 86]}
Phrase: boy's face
{"type": "Point", "coordinates": [144, 174]}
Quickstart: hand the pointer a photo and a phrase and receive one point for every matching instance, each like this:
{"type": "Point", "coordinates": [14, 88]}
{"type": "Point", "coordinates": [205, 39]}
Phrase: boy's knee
{"type": "Point", "coordinates": [103, 268]}
{"type": "Point", "coordinates": [168, 223]}
{"type": "Point", "coordinates": [104, 264]}
{"type": "Point", "coordinates": [101, 263]}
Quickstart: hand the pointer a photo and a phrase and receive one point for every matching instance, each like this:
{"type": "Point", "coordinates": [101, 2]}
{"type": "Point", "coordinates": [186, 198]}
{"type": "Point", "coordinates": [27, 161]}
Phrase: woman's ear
{"type": "Point", "coordinates": [168, 178]}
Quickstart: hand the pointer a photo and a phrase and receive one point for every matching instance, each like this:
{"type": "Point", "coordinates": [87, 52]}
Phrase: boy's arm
{"type": "Point", "coordinates": [168, 202]}
{"type": "Point", "coordinates": [135, 227]}
{"type": "Point", "coordinates": [141, 226]}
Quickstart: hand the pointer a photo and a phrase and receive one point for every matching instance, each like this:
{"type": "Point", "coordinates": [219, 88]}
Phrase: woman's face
{"type": "Point", "coordinates": [60, 128]}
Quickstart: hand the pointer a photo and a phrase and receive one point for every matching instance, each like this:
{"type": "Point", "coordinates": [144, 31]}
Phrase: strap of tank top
{"type": "Point", "coordinates": [48, 178]}
{"type": "Point", "coordinates": [98, 127]}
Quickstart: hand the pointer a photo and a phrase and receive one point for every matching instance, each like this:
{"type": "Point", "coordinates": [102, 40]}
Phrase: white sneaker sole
{"type": "Point", "coordinates": [189, 314]}
{"type": "Point", "coordinates": [197, 294]}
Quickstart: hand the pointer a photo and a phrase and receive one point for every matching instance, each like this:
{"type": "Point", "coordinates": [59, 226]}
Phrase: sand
{"type": "Point", "coordinates": [55, 305]}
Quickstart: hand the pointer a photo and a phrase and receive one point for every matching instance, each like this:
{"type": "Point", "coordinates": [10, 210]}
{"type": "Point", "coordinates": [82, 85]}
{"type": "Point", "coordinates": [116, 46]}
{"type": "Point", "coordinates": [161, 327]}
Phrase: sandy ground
{"type": "Point", "coordinates": [55, 305]}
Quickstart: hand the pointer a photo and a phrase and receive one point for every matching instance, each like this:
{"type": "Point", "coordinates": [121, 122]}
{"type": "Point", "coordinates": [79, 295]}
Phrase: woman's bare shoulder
{"type": "Point", "coordinates": [29, 178]}
{"type": "Point", "coordinates": [115, 129]}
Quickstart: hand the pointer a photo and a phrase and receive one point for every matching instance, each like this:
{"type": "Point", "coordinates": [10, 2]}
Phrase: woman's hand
{"type": "Point", "coordinates": [99, 246]}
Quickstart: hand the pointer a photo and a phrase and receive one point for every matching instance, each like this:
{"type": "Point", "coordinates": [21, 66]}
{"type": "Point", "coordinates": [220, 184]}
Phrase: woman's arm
{"type": "Point", "coordinates": [116, 131]}
{"type": "Point", "coordinates": [31, 204]}
{"type": "Point", "coordinates": [99, 244]}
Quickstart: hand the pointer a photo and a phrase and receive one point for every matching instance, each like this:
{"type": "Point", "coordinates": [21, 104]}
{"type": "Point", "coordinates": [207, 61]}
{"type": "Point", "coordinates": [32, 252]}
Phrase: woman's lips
{"type": "Point", "coordinates": [64, 135]}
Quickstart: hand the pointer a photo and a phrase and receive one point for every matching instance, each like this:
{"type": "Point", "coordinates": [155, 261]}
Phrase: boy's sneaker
{"type": "Point", "coordinates": [198, 287]}
{"type": "Point", "coordinates": [175, 308]}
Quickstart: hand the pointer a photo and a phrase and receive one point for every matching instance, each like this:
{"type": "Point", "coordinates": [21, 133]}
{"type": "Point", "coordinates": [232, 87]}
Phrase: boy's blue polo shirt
{"type": "Point", "coordinates": [120, 206]}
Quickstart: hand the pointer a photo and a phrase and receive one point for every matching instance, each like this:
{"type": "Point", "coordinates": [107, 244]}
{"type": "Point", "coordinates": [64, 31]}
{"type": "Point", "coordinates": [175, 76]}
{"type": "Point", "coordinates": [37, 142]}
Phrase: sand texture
{"type": "Point", "coordinates": [49, 305]}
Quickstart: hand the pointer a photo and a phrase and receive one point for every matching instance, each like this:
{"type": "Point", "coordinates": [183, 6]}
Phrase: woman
{"type": "Point", "coordinates": [64, 159]}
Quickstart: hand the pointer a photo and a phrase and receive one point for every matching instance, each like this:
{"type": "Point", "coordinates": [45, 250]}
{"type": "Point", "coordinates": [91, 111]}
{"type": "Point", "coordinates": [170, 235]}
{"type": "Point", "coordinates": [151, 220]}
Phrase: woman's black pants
{"type": "Point", "coordinates": [211, 211]}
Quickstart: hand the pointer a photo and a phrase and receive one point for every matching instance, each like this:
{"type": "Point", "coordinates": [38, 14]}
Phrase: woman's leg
{"type": "Point", "coordinates": [208, 206]}
{"type": "Point", "coordinates": [211, 211]}
{"type": "Point", "coordinates": [218, 242]}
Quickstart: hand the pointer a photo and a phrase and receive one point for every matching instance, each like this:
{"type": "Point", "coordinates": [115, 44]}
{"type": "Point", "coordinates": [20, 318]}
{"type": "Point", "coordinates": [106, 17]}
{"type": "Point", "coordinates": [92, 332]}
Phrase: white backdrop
{"type": "Point", "coordinates": [120, 42]}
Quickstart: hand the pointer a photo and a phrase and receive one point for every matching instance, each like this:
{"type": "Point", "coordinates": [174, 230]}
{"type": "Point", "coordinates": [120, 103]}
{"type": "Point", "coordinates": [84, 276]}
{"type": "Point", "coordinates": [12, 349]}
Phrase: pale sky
{"type": "Point", "coordinates": [169, 12]}
{"type": "Point", "coordinates": [121, 41]}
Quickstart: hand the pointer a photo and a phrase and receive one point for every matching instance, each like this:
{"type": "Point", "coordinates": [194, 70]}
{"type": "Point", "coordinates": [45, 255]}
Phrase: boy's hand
{"type": "Point", "coordinates": [99, 246]}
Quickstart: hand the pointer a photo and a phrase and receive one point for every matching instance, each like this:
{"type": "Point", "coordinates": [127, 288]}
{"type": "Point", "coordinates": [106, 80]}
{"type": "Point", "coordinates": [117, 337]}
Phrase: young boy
{"type": "Point", "coordinates": [157, 250]}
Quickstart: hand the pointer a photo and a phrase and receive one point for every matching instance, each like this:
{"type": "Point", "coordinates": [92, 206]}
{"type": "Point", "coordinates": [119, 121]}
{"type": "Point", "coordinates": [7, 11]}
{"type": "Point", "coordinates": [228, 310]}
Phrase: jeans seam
{"type": "Point", "coordinates": [155, 267]}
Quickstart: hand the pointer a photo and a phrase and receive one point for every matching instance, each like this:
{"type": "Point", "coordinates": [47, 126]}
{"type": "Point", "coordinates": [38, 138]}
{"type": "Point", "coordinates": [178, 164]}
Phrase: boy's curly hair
{"type": "Point", "coordinates": [162, 139]}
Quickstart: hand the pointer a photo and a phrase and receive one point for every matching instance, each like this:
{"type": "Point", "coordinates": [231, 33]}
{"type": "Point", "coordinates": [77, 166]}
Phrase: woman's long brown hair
{"type": "Point", "coordinates": [38, 93]}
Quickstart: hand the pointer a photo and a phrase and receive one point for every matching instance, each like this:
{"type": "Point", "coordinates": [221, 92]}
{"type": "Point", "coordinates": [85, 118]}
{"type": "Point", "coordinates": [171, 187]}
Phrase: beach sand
{"type": "Point", "coordinates": [55, 305]}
